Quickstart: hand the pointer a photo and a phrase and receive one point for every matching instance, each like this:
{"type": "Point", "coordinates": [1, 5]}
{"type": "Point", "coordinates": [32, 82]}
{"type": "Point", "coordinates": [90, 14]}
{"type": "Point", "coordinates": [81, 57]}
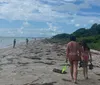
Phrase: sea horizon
{"type": "Point", "coordinates": [8, 41]}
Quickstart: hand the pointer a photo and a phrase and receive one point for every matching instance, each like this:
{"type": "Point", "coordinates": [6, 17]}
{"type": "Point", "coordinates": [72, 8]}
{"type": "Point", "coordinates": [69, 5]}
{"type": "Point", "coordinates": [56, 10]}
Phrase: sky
{"type": "Point", "coordinates": [45, 18]}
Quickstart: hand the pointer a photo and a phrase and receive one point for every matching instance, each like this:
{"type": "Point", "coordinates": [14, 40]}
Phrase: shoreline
{"type": "Point", "coordinates": [8, 41]}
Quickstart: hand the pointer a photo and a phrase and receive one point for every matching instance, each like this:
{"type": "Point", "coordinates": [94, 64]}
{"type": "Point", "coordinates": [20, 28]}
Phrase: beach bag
{"type": "Point", "coordinates": [90, 66]}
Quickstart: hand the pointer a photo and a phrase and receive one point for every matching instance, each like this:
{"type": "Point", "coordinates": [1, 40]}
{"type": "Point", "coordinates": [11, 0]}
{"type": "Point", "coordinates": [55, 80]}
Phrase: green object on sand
{"type": "Point", "coordinates": [64, 68]}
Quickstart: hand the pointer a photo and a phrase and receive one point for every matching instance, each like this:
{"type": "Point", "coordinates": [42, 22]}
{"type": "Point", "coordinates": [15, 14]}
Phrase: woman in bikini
{"type": "Point", "coordinates": [73, 55]}
{"type": "Point", "coordinates": [86, 56]}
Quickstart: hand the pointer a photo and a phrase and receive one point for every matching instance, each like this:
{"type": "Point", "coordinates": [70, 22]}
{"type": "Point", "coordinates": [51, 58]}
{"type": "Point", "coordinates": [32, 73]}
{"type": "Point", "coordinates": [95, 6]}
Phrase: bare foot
{"type": "Point", "coordinates": [72, 79]}
{"type": "Point", "coordinates": [86, 77]}
{"type": "Point", "coordinates": [75, 81]}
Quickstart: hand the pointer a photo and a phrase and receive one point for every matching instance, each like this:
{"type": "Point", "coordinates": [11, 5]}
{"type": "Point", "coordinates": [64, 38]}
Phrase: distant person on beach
{"type": "Point", "coordinates": [35, 38]}
{"type": "Point", "coordinates": [14, 43]}
{"type": "Point", "coordinates": [73, 55]}
{"type": "Point", "coordinates": [27, 41]}
{"type": "Point", "coordinates": [86, 56]}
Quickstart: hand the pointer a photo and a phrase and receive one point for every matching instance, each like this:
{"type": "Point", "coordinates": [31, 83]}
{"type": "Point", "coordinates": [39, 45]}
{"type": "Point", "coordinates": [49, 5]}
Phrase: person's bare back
{"type": "Point", "coordinates": [73, 50]}
{"type": "Point", "coordinates": [73, 55]}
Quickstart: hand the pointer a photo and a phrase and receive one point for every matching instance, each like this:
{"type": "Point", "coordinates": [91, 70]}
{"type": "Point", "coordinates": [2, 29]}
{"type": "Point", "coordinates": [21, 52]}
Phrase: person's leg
{"type": "Point", "coordinates": [75, 72]}
{"type": "Point", "coordinates": [86, 70]}
{"type": "Point", "coordinates": [14, 45]}
{"type": "Point", "coordinates": [71, 69]}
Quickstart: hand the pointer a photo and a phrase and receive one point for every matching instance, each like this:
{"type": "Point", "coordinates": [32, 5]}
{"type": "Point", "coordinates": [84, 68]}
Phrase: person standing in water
{"type": "Point", "coordinates": [86, 56]}
{"type": "Point", "coordinates": [73, 55]}
{"type": "Point", "coordinates": [14, 43]}
{"type": "Point", "coordinates": [27, 41]}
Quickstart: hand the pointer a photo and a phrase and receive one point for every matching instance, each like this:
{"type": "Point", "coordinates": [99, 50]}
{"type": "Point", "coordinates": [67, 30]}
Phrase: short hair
{"type": "Point", "coordinates": [72, 38]}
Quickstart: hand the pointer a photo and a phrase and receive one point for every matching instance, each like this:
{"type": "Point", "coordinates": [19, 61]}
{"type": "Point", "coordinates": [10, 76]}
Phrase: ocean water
{"type": "Point", "coordinates": [8, 41]}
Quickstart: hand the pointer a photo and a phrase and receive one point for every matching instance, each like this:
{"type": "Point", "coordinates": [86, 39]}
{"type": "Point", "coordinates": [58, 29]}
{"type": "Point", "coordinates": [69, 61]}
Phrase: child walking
{"type": "Point", "coordinates": [86, 57]}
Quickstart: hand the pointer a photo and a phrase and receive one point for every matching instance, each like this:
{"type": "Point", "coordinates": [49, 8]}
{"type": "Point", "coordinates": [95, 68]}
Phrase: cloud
{"type": "Point", "coordinates": [20, 31]}
{"type": "Point", "coordinates": [37, 11]}
{"type": "Point", "coordinates": [27, 10]}
{"type": "Point", "coordinates": [7, 32]}
{"type": "Point", "coordinates": [77, 25]}
{"type": "Point", "coordinates": [56, 2]}
{"type": "Point", "coordinates": [85, 25]}
{"type": "Point", "coordinates": [51, 27]}
{"type": "Point", "coordinates": [52, 12]}
{"type": "Point", "coordinates": [67, 7]}
{"type": "Point", "coordinates": [91, 21]}
{"type": "Point", "coordinates": [26, 24]}
{"type": "Point", "coordinates": [86, 20]}
{"type": "Point", "coordinates": [93, 2]}
{"type": "Point", "coordinates": [93, 14]}
{"type": "Point", "coordinates": [69, 0]}
{"type": "Point", "coordinates": [30, 32]}
{"type": "Point", "coordinates": [72, 7]}
{"type": "Point", "coordinates": [72, 21]}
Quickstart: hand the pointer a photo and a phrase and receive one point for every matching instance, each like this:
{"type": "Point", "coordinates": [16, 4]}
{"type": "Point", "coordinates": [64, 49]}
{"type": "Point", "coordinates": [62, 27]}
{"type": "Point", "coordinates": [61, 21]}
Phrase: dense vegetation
{"type": "Point", "coordinates": [82, 32]}
{"type": "Point", "coordinates": [91, 36]}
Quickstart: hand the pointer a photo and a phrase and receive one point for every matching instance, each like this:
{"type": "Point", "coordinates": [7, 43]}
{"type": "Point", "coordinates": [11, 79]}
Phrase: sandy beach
{"type": "Point", "coordinates": [34, 64]}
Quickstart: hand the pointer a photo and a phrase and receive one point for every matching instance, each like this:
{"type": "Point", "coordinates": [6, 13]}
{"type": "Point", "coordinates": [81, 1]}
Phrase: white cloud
{"type": "Point", "coordinates": [67, 7]}
{"type": "Point", "coordinates": [93, 2]}
{"type": "Point", "coordinates": [28, 32]}
{"type": "Point", "coordinates": [28, 10]}
{"type": "Point", "coordinates": [37, 11]}
{"type": "Point", "coordinates": [69, 0]}
{"type": "Point", "coordinates": [26, 24]}
{"type": "Point", "coordinates": [72, 20]}
{"type": "Point", "coordinates": [21, 28]}
{"type": "Point", "coordinates": [77, 25]}
{"type": "Point", "coordinates": [20, 31]}
{"type": "Point", "coordinates": [72, 7]}
{"type": "Point", "coordinates": [7, 32]}
{"type": "Point", "coordinates": [51, 27]}
{"type": "Point", "coordinates": [91, 21]}
{"type": "Point", "coordinates": [84, 25]}
{"type": "Point", "coordinates": [10, 33]}
{"type": "Point", "coordinates": [85, 19]}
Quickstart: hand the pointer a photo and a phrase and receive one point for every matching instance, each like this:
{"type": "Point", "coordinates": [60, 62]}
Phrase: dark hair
{"type": "Point", "coordinates": [80, 43]}
{"type": "Point", "coordinates": [72, 38]}
{"type": "Point", "coordinates": [85, 46]}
